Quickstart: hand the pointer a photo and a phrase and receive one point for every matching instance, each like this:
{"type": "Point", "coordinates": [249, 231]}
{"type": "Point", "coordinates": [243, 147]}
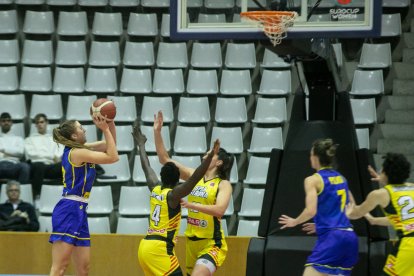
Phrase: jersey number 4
{"type": "Point", "coordinates": [407, 210]}
{"type": "Point", "coordinates": [155, 216]}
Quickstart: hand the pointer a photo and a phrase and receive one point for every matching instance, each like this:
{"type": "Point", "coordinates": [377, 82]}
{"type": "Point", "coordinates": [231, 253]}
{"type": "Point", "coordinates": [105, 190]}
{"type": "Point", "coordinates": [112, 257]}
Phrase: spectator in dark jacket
{"type": "Point", "coordinates": [15, 214]}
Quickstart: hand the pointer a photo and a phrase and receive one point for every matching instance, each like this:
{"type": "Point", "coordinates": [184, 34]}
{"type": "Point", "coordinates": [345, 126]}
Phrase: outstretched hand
{"type": "Point", "coordinates": [374, 175]}
{"type": "Point", "coordinates": [158, 121]}
{"type": "Point", "coordinates": [139, 138]}
{"type": "Point", "coordinates": [287, 222]}
{"type": "Point", "coordinates": [216, 146]}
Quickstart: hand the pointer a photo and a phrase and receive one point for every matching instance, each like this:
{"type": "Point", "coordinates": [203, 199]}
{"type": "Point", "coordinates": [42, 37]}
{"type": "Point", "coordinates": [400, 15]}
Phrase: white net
{"type": "Point", "coordinates": [274, 24]}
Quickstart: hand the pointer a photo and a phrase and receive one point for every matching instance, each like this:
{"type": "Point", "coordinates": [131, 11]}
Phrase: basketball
{"type": "Point", "coordinates": [104, 107]}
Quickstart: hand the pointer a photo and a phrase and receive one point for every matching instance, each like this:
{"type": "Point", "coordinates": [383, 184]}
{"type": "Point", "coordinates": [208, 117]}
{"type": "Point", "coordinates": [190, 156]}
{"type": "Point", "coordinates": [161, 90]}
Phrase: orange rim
{"type": "Point", "coordinates": [267, 16]}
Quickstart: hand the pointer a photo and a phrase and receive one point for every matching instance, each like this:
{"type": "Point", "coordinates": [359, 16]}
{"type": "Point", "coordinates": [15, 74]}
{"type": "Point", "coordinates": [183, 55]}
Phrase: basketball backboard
{"type": "Point", "coordinates": [220, 19]}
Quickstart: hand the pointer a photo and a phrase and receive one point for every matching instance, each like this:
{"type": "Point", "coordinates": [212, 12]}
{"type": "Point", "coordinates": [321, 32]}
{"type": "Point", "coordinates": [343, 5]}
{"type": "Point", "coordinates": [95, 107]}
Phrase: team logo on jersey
{"type": "Point", "coordinates": [212, 184]}
{"type": "Point", "coordinates": [199, 192]}
{"type": "Point", "coordinates": [197, 222]}
{"type": "Point", "coordinates": [92, 166]}
{"type": "Point", "coordinates": [157, 196]}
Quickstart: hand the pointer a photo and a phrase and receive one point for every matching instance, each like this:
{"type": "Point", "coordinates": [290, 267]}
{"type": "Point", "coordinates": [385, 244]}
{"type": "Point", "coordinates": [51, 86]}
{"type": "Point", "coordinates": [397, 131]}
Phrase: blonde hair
{"type": "Point", "coordinates": [62, 134]}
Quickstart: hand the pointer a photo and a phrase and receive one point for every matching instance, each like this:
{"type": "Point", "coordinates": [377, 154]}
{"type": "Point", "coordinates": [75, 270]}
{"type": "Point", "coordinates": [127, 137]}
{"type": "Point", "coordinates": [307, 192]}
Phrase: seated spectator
{"type": "Point", "coordinates": [15, 214]}
{"type": "Point", "coordinates": [43, 154]}
{"type": "Point", "coordinates": [11, 151]}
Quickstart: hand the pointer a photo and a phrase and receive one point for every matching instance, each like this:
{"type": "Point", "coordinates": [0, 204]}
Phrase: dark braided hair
{"type": "Point", "coordinates": [396, 167]}
{"type": "Point", "coordinates": [170, 175]}
{"type": "Point", "coordinates": [325, 150]}
{"type": "Point", "coordinates": [62, 134]}
{"type": "Point", "coordinates": [224, 170]}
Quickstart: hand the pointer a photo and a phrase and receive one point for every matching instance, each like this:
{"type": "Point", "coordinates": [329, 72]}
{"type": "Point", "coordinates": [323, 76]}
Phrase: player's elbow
{"type": "Point", "coordinates": [220, 211]}
{"type": "Point", "coordinates": [163, 159]}
{"type": "Point", "coordinates": [112, 159]}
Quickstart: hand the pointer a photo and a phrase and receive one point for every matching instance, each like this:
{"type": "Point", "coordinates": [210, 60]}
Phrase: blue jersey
{"type": "Point", "coordinates": [77, 180]}
{"type": "Point", "coordinates": [332, 200]}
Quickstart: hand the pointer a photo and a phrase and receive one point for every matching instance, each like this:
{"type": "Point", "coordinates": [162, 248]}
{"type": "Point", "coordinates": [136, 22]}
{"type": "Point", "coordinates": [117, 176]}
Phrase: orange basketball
{"type": "Point", "coordinates": [104, 107]}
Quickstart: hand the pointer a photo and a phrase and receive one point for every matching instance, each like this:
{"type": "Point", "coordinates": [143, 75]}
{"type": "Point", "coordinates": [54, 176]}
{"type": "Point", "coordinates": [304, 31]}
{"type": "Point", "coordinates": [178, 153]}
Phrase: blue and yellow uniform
{"type": "Point", "coordinates": [336, 250]}
{"type": "Point", "coordinates": [400, 212]}
{"type": "Point", "coordinates": [205, 237]}
{"type": "Point", "coordinates": [69, 218]}
{"type": "Point", "coordinates": [156, 252]}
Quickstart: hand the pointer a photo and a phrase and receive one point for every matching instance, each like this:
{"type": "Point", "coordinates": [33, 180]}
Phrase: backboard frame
{"type": "Point", "coordinates": [181, 30]}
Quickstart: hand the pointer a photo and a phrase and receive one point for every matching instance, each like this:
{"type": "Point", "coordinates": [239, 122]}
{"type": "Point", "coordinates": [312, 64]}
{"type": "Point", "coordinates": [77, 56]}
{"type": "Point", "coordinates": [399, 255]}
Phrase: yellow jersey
{"type": "Point", "coordinates": [201, 225]}
{"type": "Point", "coordinates": [400, 211]}
{"type": "Point", "coordinates": [163, 221]}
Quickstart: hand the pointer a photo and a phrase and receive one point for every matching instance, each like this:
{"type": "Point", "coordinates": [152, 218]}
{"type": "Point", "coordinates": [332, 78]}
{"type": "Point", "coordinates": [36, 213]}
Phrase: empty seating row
{"type": "Point", "coordinates": [140, 81]}
{"type": "Point", "coordinates": [191, 110]}
{"type": "Point", "coordinates": [76, 24]}
{"type": "Point", "coordinates": [212, 4]}
{"type": "Point", "coordinates": [135, 54]}
{"type": "Point", "coordinates": [92, 3]}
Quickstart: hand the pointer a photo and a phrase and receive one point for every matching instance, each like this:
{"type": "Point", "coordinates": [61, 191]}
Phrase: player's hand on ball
{"type": "Point", "coordinates": [100, 122]}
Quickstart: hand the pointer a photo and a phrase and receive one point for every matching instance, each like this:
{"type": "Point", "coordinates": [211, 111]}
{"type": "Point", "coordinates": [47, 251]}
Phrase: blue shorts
{"type": "Point", "coordinates": [70, 223]}
{"type": "Point", "coordinates": [335, 252]}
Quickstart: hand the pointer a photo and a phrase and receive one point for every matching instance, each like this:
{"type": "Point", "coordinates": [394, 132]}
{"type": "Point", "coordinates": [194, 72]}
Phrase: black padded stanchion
{"type": "Point", "coordinates": [255, 258]}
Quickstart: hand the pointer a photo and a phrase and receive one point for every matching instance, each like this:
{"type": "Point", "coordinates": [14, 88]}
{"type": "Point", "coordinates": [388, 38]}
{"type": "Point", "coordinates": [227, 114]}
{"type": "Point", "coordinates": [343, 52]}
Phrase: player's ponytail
{"type": "Point", "coordinates": [325, 150]}
{"type": "Point", "coordinates": [224, 169]}
{"type": "Point", "coordinates": [62, 134]}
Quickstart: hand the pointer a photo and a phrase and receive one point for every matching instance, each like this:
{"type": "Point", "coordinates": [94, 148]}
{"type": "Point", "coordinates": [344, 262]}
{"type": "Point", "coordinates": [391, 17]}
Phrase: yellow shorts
{"type": "Point", "coordinates": [154, 259]}
{"type": "Point", "coordinates": [401, 264]}
{"type": "Point", "coordinates": [207, 249]}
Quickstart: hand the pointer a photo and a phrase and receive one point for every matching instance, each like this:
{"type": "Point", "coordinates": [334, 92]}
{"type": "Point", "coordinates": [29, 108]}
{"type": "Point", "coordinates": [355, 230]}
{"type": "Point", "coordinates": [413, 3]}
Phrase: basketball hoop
{"type": "Point", "coordinates": [273, 23]}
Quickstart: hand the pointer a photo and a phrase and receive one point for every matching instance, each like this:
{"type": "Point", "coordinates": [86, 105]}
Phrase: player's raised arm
{"type": "Point", "coordinates": [140, 140]}
{"type": "Point", "coordinates": [162, 153]}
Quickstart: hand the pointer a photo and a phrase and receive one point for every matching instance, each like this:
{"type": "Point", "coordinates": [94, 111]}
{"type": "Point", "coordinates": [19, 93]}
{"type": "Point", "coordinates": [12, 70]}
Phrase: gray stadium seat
{"type": "Point", "coordinates": [15, 104]}
{"type": "Point", "coordinates": [142, 24]}
{"type": "Point", "coordinates": [206, 55]}
{"type": "Point", "coordinates": [71, 53]}
{"type": "Point", "coordinates": [107, 24]}
{"type": "Point", "coordinates": [39, 23]}
{"type": "Point", "coordinates": [8, 79]}
{"type": "Point", "coordinates": [69, 80]}
{"type": "Point", "coordinates": [193, 110]}
{"type": "Point", "coordinates": [100, 201]}
{"type": "Point", "coordinates": [72, 24]}
{"type": "Point", "coordinates": [51, 105]}
{"type": "Point", "coordinates": [202, 82]}
{"type": "Point", "coordinates": [36, 52]}
{"type": "Point", "coordinates": [9, 51]}
{"type": "Point", "coordinates": [36, 79]}
{"type": "Point", "coordinates": [136, 81]}
{"type": "Point", "coordinates": [79, 106]}
{"type": "Point", "coordinates": [135, 226]}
